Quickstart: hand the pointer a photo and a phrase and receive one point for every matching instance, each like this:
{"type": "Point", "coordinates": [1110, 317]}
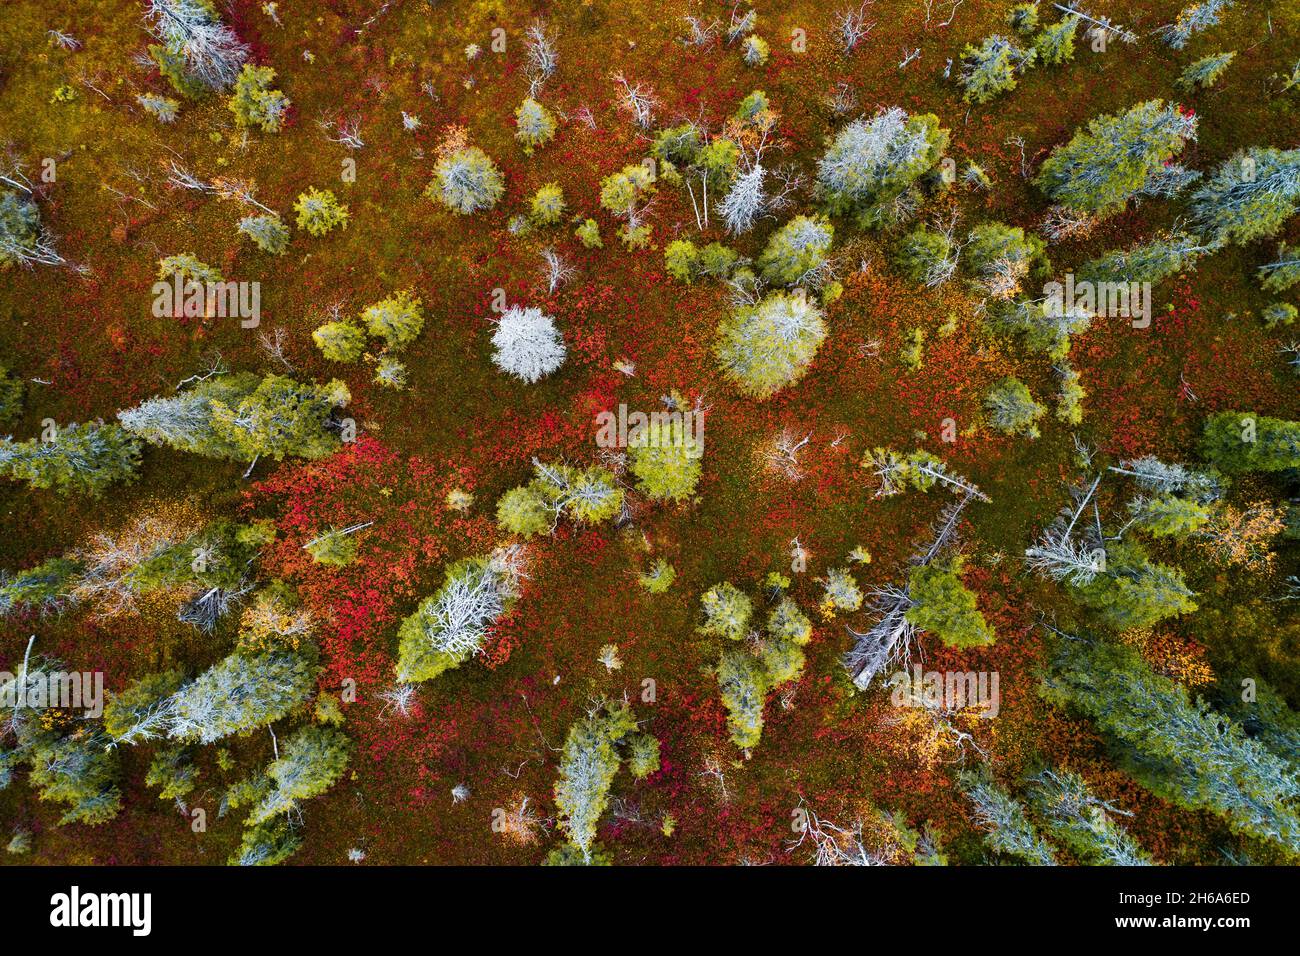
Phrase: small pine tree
{"type": "Point", "coordinates": [172, 770]}
{"type": "Point", "coordinates": [1012, 410]}
{"type": "Point", "coordinates": [466, 181]}
{"type": "Point", "coordinates": [1054, 45]}
{"type": "Point", "coordinates": [525, 511]}
{"type": "Point", "coordinates": [336, 548]}
{"type": "Point", "coordinates": [20, 227]}
{"type": "Point", "coordinates": [659, 578]}
{"type": "Point", "coordinates": [319, 211]}
{"type": "Point", "coordinates": [397, 320]}
{"type": "Point", "coordinates": [78, 769]}
{"type": "Point", "coordinates": [1279, 314]}
{"type": "Point", "coordinates": [312, 761]}
{"type": "Point", "coordinates": [944, 606]}
{"type": "Point", "coordinates": [926, 257]}
{"type": "Point", "coordinates": [188, 268]}
{"type": "Point", "coordinates": [767, 346]}
{"type": "Point", "coordinates": [726, 612]}
{"type": "Point", "coordinates": [1081, 820]}
{"type": "Point", "coordinates": [340, 341]}
{"type": "Point", "coordinates": [450, 627]}
{"type": "Point", "coordinates": [1023, 18]}
{"type": "Point", "coordinates": [12, 390]}
{"type": "Point", "coordinates": [1168, 516]}
{"type": "Point", "coordinates": [390, 373]}
{"type": "Point", "coordinates": [1007, 827]}
{"type": "Point", "coordinates": [679, 145]}
{"type": "Point", "coordinates": [1069, 400]}
{"type": "Point", "coordinates": [547, 205]}
{"type": "Point", "coordinates": [783, 661]}
{"type": "Point", "coordinates": [666, 459]}
{"type": "Point", "coordinates": [44, 588]}
{"type": "Point", "coordinates": [642, 755]}
{"type": "Point", "coordinates": [681, 260]}
{"type": "Point", "coordinates": [990, 69]}
{"type": "Point", "coordinates": [268, 231]}
{"type": "Point", "coordinates": [743, 682]}
{"type": "Point", "coordinates": [754, 50]}
{"type": "Point", "coordinates": [1283, 272]}
{"type": "Point", "coordinates": [796, 253]}
{"type": "Point", "coordinates": [534, 125]}
{"type": "Point", "coordinates": [254, 103]}
{"type": "Point", "coordinates": [162, 108]}
{"type": "Point", "coordinates": [267, 844]}
{"type": "Point", "coordinates": [1205, 72]}
{"type": "Point", "coordinates": [999, 258]}
{"type": "Point", "coordinates": [1165, 255]}
{"type": "Point", "coordinates": [588, 764]}
{"type": "Point", "coordinates": [788, 623]}
{"type": "Point", "coordinates": [589, 234]}
{"type": "Point", "coordinates": [840, 592]}
{"type": "Point", "coordinates": [243, 692]}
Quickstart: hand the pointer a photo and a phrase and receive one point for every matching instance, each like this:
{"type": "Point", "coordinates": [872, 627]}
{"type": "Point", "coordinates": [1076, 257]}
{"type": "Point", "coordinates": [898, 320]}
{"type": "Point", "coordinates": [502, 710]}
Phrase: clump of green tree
{"type": "Point", "coordinates": [255, 103]}
{"type": "Point", "coordinates": [871, 170]}
{"type": "Point", "coordinates": [534, 125]}
{"type": "Point", "coordinates": [667, 459]}
{"type": "Point", "coordinates": [596, 746]}
{"type": "Point", "coordinates": [450, 627]}
{"type": "Point", "coordinates": [1249, 196]}
{"type": "Point", "coordinates": [586, 495]}
{"type": "Point", "coordinates": [991, 68]}
{"type": "Point", "coordinates": [1238, 442]}
{"type": "Point", "coordinates": [319, 211]}
{"type": "Point", "coordinates": [244, 417]}
{"type": "Point", "coordinates": [943, 605]}
{"type": "Point", "coordinates": [466, 181]}
{"type": "Point", "coordinates": [1178, 748]}
{"type": "Point", "coordinates": [69, 762]}
{"type": "Point", "coordinates": [769, 345]}
{"type": "Point", "coordinates": [1117, 158]}
{"type": "Point", "coordinates": [756, 661]}
{"type": "Point", "coordinates": [1012, 410]}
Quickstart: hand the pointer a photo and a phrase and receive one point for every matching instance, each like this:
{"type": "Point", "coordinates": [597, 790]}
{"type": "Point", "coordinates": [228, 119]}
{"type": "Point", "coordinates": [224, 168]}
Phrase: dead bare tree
{"type": "Point", "coordinates": [782, 453]}
{"type": "Point", "coordinates": [930, 5]}
{"type": "Point", "coordinates": [347, 132]}
{"type": "Point", "coordinates": [698, 33]}
{"type": "Point", "coordinates": [852, 25]}
{"type": "Point", "coordinates": [889, 640]}
{"type": "Point", "coordinates": [273, 346]}
{"type": "Point", "coordinates": [555, 269]}
{"type": "Point", "coordinates": [542, 57]}
{"type": "Point", "coordinates": [637, 100]}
